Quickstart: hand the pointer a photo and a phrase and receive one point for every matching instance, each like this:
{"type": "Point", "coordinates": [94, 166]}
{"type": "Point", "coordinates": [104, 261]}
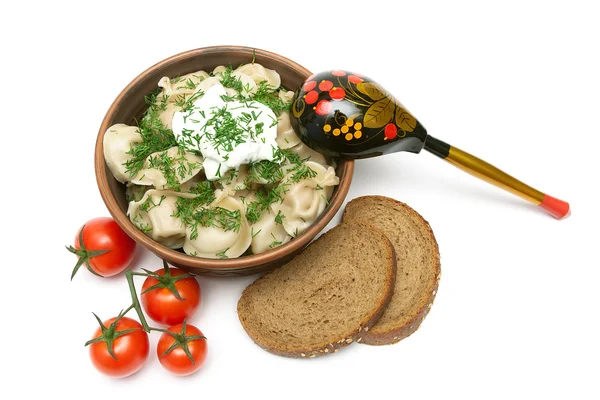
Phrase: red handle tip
{"type": "Point", "coordinates": [557, 208]}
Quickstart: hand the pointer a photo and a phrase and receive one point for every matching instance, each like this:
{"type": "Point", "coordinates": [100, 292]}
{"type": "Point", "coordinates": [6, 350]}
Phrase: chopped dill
{"type": "Point", "coordinates": [264, 199]}
{"type": "Point", "coordinates": [279, 218]}
{"type": "Point", "coordinates": [269, 96]}
{"type": "Point", "coordinates": [222, 254]}
{"type": "Point", "coordinates": [149, 203]}
{"type": "Point", "coordinates": [154, 134]}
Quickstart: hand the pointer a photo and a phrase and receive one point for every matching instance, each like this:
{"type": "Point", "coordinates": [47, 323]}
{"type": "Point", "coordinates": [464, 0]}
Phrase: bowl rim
{"type": "Point", "coordinates": [178, 257]}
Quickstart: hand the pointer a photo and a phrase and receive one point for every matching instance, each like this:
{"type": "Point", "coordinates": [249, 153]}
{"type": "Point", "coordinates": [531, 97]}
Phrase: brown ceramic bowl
{"type": "Point", "coordinates": [130, 105]}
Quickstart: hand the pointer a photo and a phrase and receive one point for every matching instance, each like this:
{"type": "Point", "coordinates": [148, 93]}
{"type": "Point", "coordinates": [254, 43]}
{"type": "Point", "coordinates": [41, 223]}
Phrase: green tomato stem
{"type": "Point", "coordinates": [135, 303]}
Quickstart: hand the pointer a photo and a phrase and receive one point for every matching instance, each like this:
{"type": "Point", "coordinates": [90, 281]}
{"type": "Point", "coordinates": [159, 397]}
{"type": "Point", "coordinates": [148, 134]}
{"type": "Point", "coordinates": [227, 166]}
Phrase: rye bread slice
{"type": "Point", "coordinates": [325, 298]}
{"type": "Point", "coordinates": [417, 259]}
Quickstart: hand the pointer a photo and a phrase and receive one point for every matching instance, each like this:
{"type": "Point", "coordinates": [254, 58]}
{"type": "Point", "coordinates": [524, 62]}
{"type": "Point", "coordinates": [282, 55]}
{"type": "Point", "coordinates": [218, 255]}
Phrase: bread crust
{"type": "Point", "coordinates": [402, 330]}
{"type": "Point", "coordinates": [357, 335]}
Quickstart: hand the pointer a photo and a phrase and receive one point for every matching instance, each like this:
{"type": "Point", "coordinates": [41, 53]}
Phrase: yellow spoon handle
{"type": "Point", "coordinates": [487, 172]}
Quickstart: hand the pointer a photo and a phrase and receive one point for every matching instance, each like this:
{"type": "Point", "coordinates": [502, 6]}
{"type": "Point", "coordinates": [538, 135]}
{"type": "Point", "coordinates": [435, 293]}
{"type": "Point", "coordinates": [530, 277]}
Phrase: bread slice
{"type": "Point", "coordinates": [418, 265]}
{"type": "Point", "coordinates": [325, 298]}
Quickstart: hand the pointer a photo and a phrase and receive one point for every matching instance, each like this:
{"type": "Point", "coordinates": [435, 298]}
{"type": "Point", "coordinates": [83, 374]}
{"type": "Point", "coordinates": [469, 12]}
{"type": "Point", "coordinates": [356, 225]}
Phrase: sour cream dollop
{"type": "Point", "coordinates": [227, 133]}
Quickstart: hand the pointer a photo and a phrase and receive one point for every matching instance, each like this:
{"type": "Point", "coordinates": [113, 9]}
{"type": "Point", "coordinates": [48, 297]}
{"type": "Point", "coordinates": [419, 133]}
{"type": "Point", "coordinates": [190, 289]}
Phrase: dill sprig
{"type": "Point", "coordinates": [149, 203]}
{"type": "Point", "coordinates": [265, 170]}
{"type": "Point", "coordinates": [229, 80]}
{"type": "Point", "coordinates": [139, 222]}
{"type": "Point", "coordinates": [219, 217]}
{"type": "Point", "coordinates": [227, 132]}
{"type": "Point", "coordinates": [187, 207]}
{"type": "Point", "coordinates": [279, 218]}
{"type": "Point", "coordinates": [264, 199]}
{"type": "Point", "coordinates": [265, 93]}
{"type": "Point", "coordinates": [301, 172]}
{"type": "Point", "coordinates": [275, 242]}
{"type": "Point", "coordinates": [222, 254]}
{"type": "Point", "coordinates": [155, 136]}
{"type": "Point", "coordinates": [195, 212]}
{"type": "Point", "coordinates": [174, 169]}
{"type": "Point", "coordinates": [269, 96]}
{"type": "Point", "coordinates": [187, 102]}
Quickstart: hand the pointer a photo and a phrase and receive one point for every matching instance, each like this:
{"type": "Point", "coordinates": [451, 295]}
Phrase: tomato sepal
{"type": "Point", "coordinates": [166, 281]}
{"type": "Point", "coordinates": [84, 255]}
{"type": "Point", "coordinates": [182, 340]}
{"type": "Point", "coordinates": [110, 334]}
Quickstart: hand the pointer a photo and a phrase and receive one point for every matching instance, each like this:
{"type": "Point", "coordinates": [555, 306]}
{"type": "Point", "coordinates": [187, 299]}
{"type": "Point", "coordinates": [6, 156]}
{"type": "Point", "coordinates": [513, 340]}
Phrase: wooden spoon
{"type": "Point", "coordinates": [345, 114]}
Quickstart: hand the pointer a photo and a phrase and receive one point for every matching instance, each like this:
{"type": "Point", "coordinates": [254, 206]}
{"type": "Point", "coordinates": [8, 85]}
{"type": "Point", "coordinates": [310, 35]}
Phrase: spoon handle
{"type": "Point", "coordinates": [487, 172]}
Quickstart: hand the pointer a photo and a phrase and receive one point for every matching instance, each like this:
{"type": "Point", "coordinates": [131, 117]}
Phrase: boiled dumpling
{"type": "Point", "coordinates": [245, 197]}
{"type": "Point", "coordinates": [286, 96]}
{"type": "Point", "coordinates": [301, 205]}
{"type": "Point", "coordinates": [234, 180]}
{"type": "Point", "coordinates": [325, 175]}
{"type": "Point", "coordinates": [258, 73]}
{"type": "Point", "coordinates": [118, 140]}
{"type": "Point", "coordinates": [219, 70]}
{"type": "Point", "coordinates": [286, 137]}
{"type": "Point", "coordinates": [248, 85]}
{"type": "Point", "coordinates": [208, 83]}
{"type": "Point", "coordinates": [166, 115]}
{"type": "Point", "coordinates": [182, 86]}
{"type": "Point", "coordinates": [305, 200]}
{"type": "Point", "coordinates": [267, 233]}
{"type": "Point", "coordinates": [153, 215]}
{"type": "Point", "coordinates": [216, 241]}
{"type": "Point", "coordinates": [184, 166]}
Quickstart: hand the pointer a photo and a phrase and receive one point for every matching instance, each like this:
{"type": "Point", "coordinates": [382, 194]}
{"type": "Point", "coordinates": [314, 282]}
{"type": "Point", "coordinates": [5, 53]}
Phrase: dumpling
{"type": "Point", "coordinates": [219, 70]}
{"type": "Point", "coordinates": [286, 96]}
{"type": "Point", "coordinates": [227, 237]}
{"type": "Point", "coordinates": [286, 137]}
{"type": "Point", "coordinates": [258, 73]}
{"type": "Point", "coordinates": [208, 83]}
{"type": "Point", "coordinates": [245, 197]}
{"type": "Point", "coordinates": [182, 166]}
{"type": "Point", "coordinates": [305, 200]}
{"type": "Point", "coordinates": [153, 215]}
{"type": "Point", "coordinates": [194, 77]}
{"type": "Point", "coordinates": [234, 180]}
{"type": "Point", "coordinates": [267, 233]}
{"type": "Point", "coordinates": [305, 152]}
{"type": "Point", "coordinates": [301, 206]}
{"type": "Point", "coordinates": [118, 140]}
{"type": "Point", "coordinates": [181, 86]}
{"type": "Point", "coordinates": [166, 115]}
{"type": "Point", "coordinates": [248, 85]}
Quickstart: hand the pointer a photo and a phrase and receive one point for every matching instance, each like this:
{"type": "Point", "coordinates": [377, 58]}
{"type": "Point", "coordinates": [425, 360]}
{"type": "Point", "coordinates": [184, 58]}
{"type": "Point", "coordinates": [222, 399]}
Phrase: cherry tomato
{"type": "Point", "coordinates": [171, 353]}
{"type": "Point", "coordinates": [103, 247]}
{"type": "Point", "coordinates": [130, 349]}
{"type": "Point", "coordinates": [160, 294]}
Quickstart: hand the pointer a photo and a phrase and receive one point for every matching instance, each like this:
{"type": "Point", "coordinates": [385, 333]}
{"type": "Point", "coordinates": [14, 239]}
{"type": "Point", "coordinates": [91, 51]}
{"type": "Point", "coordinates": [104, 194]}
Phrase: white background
{"type": "Point", "coordinates": [516, 83]}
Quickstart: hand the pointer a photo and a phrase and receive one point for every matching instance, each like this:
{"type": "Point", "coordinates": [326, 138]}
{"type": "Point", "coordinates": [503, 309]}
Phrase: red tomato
{"type": "Point", "coordinates": [160, 302]}
{"type": "Point", "coordinates": [131, 349]}
{"type": "Point", "coordinates": [103, 247]}
{"type": "Point", "coordinates": [176, 360]}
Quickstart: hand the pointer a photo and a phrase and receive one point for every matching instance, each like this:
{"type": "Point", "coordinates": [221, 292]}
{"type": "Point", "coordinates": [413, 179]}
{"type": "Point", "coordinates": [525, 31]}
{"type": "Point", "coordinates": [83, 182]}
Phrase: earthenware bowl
{"type": "Point", "coordinates": [129, 106]}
